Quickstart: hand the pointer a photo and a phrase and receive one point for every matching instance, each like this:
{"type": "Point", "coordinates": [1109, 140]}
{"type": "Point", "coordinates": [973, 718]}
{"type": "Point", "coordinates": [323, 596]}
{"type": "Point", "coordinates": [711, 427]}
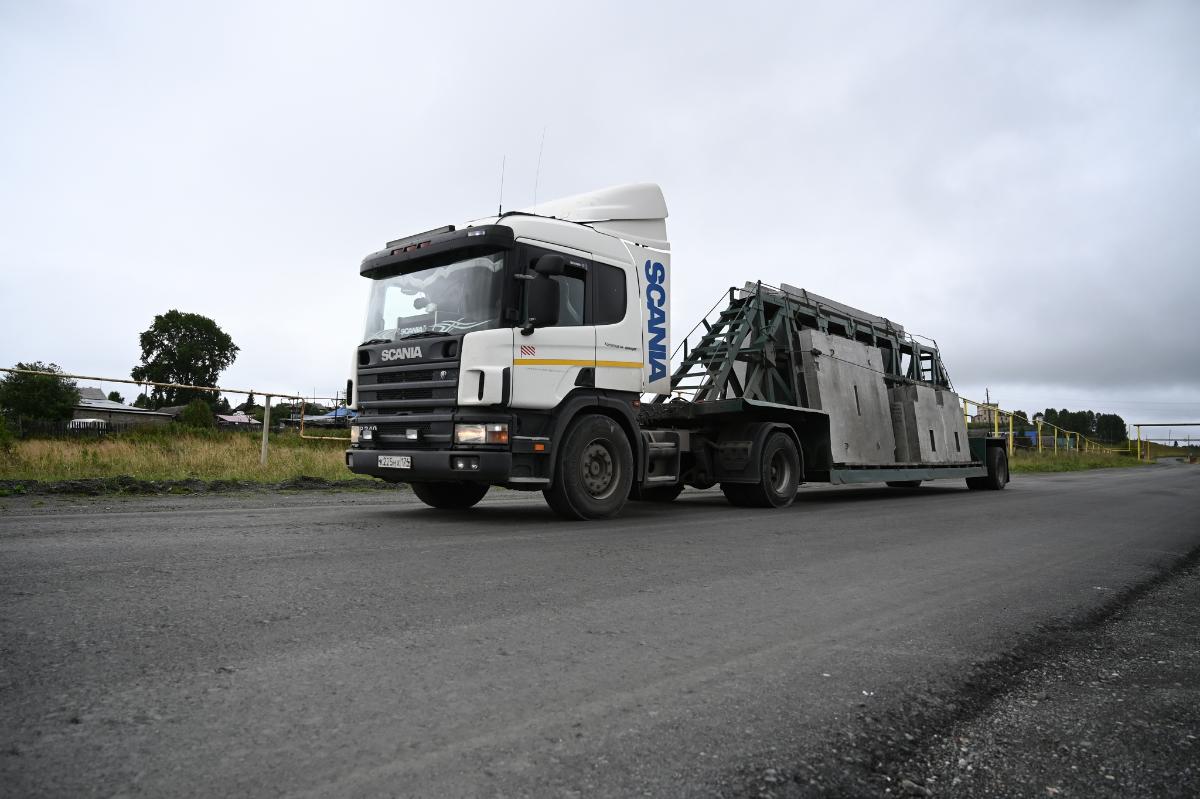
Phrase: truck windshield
{"type": "Point", "coordinates": [454, 298]}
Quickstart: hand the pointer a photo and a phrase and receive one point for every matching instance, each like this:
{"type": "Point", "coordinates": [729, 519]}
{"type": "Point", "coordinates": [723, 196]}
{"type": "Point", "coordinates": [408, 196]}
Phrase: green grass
{"type": "Point", "coordinates": [168, 454]}
{"type": "Point", "coordinates": [1028, 462]}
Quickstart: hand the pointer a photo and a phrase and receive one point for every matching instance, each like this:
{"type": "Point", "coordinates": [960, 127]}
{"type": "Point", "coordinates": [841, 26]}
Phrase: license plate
{"type": "Point", "coordinates": [395, 462]}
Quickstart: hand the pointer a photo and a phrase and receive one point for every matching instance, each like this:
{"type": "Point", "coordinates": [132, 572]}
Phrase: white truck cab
{"type": "Point", "coordinates": [483, 340]}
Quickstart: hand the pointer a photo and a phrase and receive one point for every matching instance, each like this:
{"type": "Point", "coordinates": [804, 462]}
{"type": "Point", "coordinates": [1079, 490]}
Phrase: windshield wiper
{"type": "Point", "coordinates": [376, 341]}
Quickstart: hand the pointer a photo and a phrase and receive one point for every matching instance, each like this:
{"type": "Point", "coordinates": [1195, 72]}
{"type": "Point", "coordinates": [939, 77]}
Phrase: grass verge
{"type": "Point", "coordinates": [169, 455]}
{"type": "Point", "coordinates": [1027, 462]}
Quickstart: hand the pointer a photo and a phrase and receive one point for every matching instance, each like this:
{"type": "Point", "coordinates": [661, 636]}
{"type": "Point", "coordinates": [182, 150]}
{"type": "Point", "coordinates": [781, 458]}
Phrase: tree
{"type": "Point", "coordinates": [115, 396]}
{"type": "Point", "coordinates": [142, 401]}
{"type": "Point", "coordinates": [1111, 427]}
{"type": "Point", "coordinates": [183, 348]}
{"type": "Point", "coordinates": [198, 414]}
{"type": "Point", "coordinates": [43, 397]}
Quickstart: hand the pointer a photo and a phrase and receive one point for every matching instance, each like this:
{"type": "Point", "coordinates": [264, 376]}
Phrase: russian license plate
{"type": "Point", "coordinates": [395, 462]}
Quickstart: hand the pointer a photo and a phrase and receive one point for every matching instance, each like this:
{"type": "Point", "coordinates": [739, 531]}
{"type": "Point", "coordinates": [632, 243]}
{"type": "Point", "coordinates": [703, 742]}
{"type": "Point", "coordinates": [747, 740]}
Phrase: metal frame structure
{"type": "Point", "coordinates": [751, 351]}
{"type": "Point", "coordinates": [1139, 427]}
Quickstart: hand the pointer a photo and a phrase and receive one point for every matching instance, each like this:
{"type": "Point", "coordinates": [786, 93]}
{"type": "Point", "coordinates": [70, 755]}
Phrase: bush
{"type": "Point", "coordinates": [6, 437]}
{"type": "Point", "coordinates": [198, 415]}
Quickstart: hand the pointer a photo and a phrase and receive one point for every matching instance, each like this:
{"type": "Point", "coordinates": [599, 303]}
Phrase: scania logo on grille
{"type": "Point", "coordinates": [400, 354]}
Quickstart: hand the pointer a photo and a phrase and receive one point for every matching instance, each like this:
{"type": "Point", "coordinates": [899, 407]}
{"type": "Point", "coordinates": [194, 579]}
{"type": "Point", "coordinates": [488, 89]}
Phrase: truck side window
{"type": "Point", "coordinates": [570, 299]}
{"type": "Point", "coordinates": [608, 285]}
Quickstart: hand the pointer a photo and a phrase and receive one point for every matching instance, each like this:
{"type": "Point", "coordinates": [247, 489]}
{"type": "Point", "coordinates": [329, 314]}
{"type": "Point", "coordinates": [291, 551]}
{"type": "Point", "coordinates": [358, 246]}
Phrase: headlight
{"type": "Point", "coordinates": [481, 433]}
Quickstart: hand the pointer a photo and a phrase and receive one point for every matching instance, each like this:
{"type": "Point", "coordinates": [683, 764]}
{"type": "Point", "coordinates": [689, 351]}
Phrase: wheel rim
{"type": "Point", "coordinates": [599, 469]}
{"type": "Point", "coordinates": [779, 471]}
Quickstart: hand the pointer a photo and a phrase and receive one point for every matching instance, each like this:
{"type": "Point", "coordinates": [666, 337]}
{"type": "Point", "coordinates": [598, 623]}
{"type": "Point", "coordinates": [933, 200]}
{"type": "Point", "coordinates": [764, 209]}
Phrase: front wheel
{"type": "Point", "coordinates": [456, 495]}
{"type": "Point", "coordinates": [593, 472]}
{"type": "Point", "coordinates": [997, 472]}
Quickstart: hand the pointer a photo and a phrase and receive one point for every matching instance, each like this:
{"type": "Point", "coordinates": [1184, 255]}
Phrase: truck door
{"type": "Point", "coordinates": [547, 363]}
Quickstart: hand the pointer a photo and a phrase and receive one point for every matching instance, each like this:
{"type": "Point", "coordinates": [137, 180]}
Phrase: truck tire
{"type": "Point", "coordinates": [593, 472]}
{"type": "Point", "coordinates": [780, 470]}
{"type": "Point", "coordinates": [997, 472]}
{"type": "Point", "coordinates": [450, 495]}
{"type": "Point", "coordinates": [656, 493]}
{"type": "Point", "coordinates": [903, 483]}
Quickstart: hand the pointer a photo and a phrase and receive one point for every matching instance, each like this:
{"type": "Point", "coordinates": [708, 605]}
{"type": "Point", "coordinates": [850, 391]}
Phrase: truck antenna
{"type": "Point", "coordinates": [503, 159]}
{"type": "Point", "coordinates": [538, 174]}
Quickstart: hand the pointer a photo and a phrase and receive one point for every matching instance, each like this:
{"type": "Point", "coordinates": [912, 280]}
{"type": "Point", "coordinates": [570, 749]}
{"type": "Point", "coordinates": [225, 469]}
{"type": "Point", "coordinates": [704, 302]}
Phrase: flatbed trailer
{"type": "Point", "coordinates": [531, 350]}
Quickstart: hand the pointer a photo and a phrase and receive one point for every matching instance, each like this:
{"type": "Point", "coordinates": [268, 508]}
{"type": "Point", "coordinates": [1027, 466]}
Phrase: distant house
{"type": "Point", "coordinates": [237, 420]}
{"type": "Point", "coordinates": [94, 405]}
{"type": "Point", "coordinates": [987, 414]}
{"type": "Point", "coordinates": [174, 411]}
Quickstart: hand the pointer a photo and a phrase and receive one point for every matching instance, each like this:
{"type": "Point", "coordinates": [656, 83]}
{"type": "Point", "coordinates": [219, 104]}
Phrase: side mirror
{"type": "Point", "coordinates": [550, 264]}
{"type": "Point", "coordinates": [541, 304]}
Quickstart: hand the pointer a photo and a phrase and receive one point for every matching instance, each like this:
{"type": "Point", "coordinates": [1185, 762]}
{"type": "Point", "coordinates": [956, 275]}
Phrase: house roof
{"type": "Point", "coordinates": [87, 403]}
{"type": "Point", "coordinates": [237, 418]}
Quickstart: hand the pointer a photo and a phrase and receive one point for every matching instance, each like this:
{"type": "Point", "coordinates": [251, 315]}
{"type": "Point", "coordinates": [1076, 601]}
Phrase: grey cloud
{"type": "Point", "coordinates": [1019, 181]}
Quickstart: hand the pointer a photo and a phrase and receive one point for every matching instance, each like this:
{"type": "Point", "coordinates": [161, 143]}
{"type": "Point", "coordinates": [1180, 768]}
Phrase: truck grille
{"type": "Point", "coordinates": [406, 394]}
{"type": "Point", "coordinates": [422, 388]}
{"type": "Point", "coordinates": [414, 376]}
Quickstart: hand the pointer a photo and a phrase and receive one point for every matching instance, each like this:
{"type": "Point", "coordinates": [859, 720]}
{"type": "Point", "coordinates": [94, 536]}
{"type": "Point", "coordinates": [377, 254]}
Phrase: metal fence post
{"type": "Point", "coordinates": [262, 458]}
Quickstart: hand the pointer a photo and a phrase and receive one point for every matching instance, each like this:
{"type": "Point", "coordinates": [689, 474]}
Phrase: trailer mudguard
{"type": "Point", "coordinates": [738, 451]}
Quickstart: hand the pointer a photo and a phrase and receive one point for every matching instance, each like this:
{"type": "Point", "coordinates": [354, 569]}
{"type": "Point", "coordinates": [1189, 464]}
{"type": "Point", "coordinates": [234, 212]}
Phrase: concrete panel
{"type": "Point", "coordinates": [929, 426]}
{"type": "Point", "coordinates": [845, 378]}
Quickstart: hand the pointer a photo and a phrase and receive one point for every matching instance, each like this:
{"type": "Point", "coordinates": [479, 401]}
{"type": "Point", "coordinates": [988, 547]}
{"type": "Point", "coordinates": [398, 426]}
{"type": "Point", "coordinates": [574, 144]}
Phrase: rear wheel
{"type": "Point", "coordinates": [780, 476]}
{"type": "Point", "coordinates": [903, 483]}
{"type": "Point", "coordinates": [451, 495]}
{"type": "Point", "coordinates": [997, 471]}
{"type": "Point", "coordinates": [594, 470]}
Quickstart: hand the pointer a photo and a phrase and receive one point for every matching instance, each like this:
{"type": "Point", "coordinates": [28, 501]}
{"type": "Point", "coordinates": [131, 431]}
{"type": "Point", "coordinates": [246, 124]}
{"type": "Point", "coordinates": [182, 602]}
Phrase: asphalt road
{"type": "Point", "coordinates": [360, 644]}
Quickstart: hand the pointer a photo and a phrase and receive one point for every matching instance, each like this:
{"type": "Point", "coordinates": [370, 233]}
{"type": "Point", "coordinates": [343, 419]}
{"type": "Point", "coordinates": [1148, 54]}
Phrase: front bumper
{"type": "Point", "coordinates": [432, 465]}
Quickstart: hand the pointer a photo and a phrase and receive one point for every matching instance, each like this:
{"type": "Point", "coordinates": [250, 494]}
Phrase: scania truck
{"type": "Point", "coordinates": [532, 350]}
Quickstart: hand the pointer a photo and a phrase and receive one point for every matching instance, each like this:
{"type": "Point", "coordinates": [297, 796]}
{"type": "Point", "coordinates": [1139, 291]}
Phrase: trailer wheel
{"type": "Point", "coordinates": [903, 483]}
{"type": "Point", "coordinates": [455, 495]}
{"type": "Point", "coordinates": [593, 472]}
{"type": "Point", "coordinates": [780, 470]}
{"type": "Point", "coordinates": [656, 493]}
{"type": "Point", "coordinates": [997, 472]}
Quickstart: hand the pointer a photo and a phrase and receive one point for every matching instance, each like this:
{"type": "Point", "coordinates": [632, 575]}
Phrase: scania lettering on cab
{"type": "Point", "coordinates": [531, 350]}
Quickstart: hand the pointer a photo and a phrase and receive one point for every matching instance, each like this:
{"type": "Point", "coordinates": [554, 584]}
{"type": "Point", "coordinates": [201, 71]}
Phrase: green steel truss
{"type": "Point", "coordinates": [752, 350]}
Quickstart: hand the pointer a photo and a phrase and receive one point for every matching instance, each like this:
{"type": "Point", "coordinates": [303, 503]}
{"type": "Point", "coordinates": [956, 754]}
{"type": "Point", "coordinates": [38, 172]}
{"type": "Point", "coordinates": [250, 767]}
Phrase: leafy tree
{"type": "Point", "coordinates": [1111, 427]}
{"type": "Point", "coordinates": [142, 401]}
{"type": "Point", "coordinates": [43, 397]}
{"type": "Point", "coordinates": [183, 348]}
{"type": "Point", "coordinates": [198, 414]}
{"type": "Point", "coordinates": [115, 396]}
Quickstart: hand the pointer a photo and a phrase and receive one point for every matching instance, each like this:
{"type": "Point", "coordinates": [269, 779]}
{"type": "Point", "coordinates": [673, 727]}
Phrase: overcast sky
{"type": "Point", "coordinates": [1020, 181]}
